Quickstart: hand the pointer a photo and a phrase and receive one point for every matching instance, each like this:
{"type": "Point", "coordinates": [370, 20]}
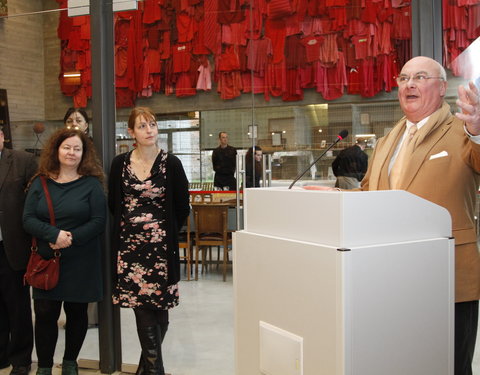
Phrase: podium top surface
{"type": "Point", "coordinates": [344, 219]}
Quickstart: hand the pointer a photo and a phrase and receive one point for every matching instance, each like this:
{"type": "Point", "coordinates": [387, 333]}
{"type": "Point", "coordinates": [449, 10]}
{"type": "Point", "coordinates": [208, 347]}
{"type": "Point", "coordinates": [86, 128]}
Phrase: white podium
{"type": "Point", "coordinates": [343, 283]}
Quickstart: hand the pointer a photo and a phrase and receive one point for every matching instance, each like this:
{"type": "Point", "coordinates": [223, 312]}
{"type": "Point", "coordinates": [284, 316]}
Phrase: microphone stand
{"type": "Point", "coordinates": [314, 162]}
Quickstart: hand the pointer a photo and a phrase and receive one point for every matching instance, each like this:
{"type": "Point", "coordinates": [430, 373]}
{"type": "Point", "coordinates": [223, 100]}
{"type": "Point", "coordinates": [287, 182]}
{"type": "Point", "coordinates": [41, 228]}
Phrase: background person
{"type": "Point", "coordinates": [249, 169]}
{"type": "Point", "coordinates": [77, 119]}
{"type": "Point", "coordinates": [351, 165]}
{"type": "Point", "coordinates": [74, 179]}
{"type": "Point", "coordinates": [16, 331]}
{"type": "Point", "coordinates": [224, 160]}
{"type": "Point", "coordinates": [149, 199]}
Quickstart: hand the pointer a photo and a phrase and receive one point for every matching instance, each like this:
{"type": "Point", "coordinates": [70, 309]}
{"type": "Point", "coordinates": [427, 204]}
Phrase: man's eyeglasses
{"type": "Point", "coordinates": [418, 78]}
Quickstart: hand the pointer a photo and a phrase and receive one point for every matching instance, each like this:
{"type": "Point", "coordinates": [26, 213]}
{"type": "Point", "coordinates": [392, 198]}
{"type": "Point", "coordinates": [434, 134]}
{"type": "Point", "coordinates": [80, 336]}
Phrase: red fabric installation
{"type": "Point", "coordinates": [461, 27]}
{"type": "Point", "coordinates": [74, 34]}
{"type": "Point", "coordinates": [272, 47]}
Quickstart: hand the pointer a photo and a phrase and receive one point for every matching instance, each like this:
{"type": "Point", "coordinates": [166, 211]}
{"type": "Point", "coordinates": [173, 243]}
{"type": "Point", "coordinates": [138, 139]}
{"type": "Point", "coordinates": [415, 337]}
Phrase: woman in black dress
{"type": "Point", "coordinates": [148, 196]}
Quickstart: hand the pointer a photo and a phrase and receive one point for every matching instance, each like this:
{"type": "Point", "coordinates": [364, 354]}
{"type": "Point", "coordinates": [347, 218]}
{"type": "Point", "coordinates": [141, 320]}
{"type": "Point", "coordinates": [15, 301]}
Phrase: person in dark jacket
{"type": "Point", "coordinates": [149, 200]}
{"type": "Point", "coordinates": [351, 165]}
{"type": "Point", "coordinates": [224, 160]}
{"type": "Point", "coordinates": [16, 331]}
{"type": "Point", "coordinates": [253, 174]}
{"type": "Point", "coordinates": [74, 180]}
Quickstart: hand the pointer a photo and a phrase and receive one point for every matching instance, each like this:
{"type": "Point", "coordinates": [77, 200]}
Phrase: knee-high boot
{"type": "Point", "coordinates": [151, 362]}
{"type": "Point", "coordinates": [141, 367]}
{"type": "Point", "coordinates": [161, 330]}
{"type": "Point", "coordinates": [163, 327]}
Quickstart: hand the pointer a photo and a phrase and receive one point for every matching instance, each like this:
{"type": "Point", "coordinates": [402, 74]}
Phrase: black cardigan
{"type": "Point", "coordinates": [177, 210]}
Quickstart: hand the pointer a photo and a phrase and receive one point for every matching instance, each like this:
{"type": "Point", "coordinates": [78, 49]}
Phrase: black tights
{"type": "Point", "coordinates": [150, 318]}
{"type": "Point", "coordinates": [46, 329]}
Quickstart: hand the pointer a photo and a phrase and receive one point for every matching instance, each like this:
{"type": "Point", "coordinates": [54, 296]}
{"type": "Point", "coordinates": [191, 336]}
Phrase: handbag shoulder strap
{"type": "Point", "coordinates": [49, 200]}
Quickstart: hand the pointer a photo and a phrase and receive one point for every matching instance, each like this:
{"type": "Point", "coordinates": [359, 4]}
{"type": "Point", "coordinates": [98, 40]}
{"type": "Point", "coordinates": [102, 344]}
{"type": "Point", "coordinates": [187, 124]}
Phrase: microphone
{"type": "Point", "coordinates": [340, 137]}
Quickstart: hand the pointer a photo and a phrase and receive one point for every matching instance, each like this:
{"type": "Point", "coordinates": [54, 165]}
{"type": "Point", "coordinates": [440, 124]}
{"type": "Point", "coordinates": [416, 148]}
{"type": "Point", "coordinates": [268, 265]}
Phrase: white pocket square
{"type": "Point", "coordinates": [439, 155]}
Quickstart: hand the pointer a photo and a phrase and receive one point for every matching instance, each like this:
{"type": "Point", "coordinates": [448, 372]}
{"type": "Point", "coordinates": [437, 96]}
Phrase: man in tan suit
{"type": "Point", "coordinates": [441, 163]}
{"type": "Point", "coordinates": [436, 155]}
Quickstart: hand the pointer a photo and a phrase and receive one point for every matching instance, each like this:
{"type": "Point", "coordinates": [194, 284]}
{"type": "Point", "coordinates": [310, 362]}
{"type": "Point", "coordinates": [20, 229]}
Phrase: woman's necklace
{"type": "Point", "coordinates": [145, 165]}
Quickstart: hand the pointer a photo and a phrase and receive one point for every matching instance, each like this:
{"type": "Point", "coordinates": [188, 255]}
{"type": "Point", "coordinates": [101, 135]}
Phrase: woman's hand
{"type": "Point", "coordinates": [64, 240]}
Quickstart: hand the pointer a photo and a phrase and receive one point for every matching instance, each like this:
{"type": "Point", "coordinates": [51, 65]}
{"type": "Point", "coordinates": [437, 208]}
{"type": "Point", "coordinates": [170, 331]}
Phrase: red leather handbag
{"type": "Point", "coordinates": [43, 273]}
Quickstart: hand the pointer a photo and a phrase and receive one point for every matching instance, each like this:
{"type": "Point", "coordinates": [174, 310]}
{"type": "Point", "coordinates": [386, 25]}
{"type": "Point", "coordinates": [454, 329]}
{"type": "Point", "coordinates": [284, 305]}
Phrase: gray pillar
{"type": "Point", "coordinates": [103, 109]}
{"type": "Point", "coordinates": [427, 29]}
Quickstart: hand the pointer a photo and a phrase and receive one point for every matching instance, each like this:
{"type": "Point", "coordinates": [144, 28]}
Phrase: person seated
{"type": "Point", "coordinates": [351, 165]}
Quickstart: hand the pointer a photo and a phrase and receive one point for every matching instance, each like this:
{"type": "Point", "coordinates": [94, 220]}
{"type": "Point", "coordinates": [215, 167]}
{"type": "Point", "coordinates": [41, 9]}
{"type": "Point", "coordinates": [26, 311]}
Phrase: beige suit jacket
{"type": "Point", "coordinates": [449, 179]}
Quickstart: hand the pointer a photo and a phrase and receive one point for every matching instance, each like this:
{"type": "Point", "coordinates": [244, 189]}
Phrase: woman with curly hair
{"type": "Point", "coordinates": [148, 196]}
{"type": "Point", "coordinates": [74, 179]}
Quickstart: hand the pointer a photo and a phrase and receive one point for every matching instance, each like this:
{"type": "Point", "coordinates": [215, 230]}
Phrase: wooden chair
{"type": "Point", "coordinates": [194, 185]}
{"type": "Point", "coordinates": [185, 243]}
{"type": "Point", "coordinates": [207, 186]}
{"type": "Point", "coordinates": [211, 229]}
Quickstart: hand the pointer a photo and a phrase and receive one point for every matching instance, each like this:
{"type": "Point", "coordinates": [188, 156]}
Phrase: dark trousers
{"type": "Point", "coordinates": [225, 181]}
{"type": "Point", "coordinates": [466, 322]}
{"type": "Point", "coordinates": [16, 332]}
{"type": "Point", "coordinates": [46, 329]}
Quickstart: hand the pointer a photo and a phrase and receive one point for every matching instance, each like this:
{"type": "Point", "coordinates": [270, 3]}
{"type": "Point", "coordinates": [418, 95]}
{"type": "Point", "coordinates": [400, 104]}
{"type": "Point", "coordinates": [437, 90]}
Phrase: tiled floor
{"type": "Point", "coordinates": [200, 337]}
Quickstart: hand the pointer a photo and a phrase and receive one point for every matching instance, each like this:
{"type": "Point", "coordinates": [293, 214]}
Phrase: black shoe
{"type": "Point", "coordinates": [20, 370]}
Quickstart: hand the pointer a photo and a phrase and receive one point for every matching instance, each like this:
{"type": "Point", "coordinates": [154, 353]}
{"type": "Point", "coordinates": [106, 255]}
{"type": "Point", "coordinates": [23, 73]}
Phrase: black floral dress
{"type": "Point", "coordinates": [142, 256]}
